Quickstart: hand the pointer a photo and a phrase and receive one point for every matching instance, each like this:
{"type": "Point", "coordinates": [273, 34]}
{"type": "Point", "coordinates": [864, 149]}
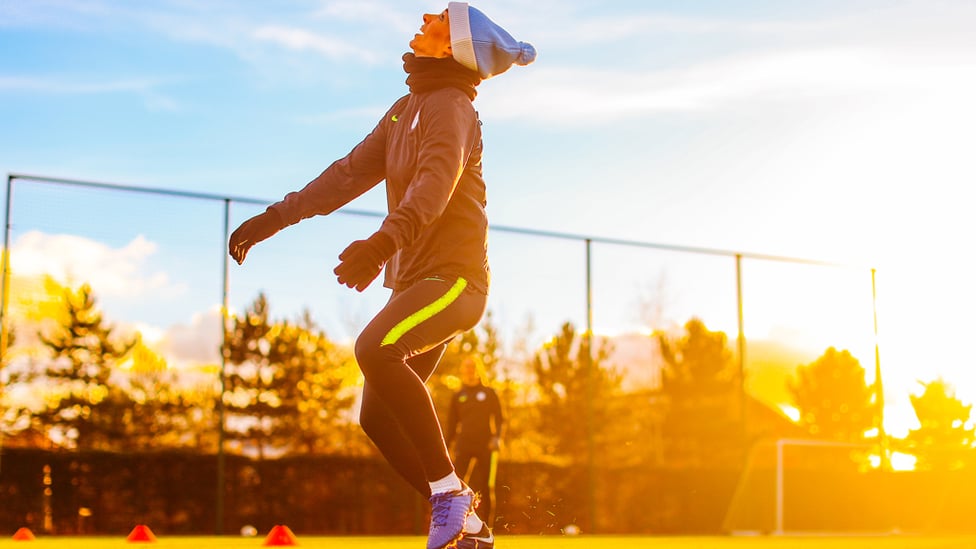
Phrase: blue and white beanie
{"type": "Point", "coordinates": [481, 45]}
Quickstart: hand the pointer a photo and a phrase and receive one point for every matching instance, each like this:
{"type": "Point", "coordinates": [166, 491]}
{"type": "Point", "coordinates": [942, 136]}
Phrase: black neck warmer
{"type": "Point", "coordinates": [426, 74]}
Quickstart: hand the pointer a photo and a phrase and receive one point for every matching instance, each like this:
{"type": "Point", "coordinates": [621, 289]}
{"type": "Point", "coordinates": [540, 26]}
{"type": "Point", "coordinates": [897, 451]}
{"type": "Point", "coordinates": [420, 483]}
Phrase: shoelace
{"type": "Point", "coordinates": [440, 508]}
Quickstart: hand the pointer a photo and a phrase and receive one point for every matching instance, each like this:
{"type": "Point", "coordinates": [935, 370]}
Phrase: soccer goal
{"type": "Point", "coordinates": [800, 486]}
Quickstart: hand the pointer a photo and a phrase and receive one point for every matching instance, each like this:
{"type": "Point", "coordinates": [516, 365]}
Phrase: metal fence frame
{"type": "Point", "coordinates": [587, 241]}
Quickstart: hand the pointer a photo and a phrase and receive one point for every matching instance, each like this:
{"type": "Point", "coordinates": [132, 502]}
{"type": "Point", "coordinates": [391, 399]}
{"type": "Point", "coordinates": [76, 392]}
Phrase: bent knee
{"type": "Point", "coordinates": [372, 355]}
{"type": "Point", "coordinates": [368, 423]}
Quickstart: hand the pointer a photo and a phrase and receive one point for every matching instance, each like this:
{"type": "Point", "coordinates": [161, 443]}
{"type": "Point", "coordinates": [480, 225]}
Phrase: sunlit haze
{"type": "Point", "coordinates": [833, 131]}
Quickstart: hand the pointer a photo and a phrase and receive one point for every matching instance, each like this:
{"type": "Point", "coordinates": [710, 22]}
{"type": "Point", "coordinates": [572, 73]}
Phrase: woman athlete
{"type": "Point", "coordinates": [433, 244]}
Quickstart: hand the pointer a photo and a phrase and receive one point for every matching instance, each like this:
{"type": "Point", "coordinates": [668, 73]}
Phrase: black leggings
{"type": "Point", "coordinates": [397, 352]}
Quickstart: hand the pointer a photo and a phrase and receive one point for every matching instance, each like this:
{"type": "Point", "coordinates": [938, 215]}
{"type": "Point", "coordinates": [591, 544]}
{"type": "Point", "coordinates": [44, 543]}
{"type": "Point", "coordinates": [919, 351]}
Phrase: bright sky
{"type": "Point", "coordinates": [834, 130]}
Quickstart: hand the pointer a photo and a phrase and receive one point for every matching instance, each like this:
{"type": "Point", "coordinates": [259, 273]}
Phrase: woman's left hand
{"type": "Point", "coordinates": [362, 261]}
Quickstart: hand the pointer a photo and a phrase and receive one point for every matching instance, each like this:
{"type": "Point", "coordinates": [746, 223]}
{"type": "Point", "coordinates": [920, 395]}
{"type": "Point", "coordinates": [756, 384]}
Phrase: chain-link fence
{"type": "Point", "coordinates": [156, 261]}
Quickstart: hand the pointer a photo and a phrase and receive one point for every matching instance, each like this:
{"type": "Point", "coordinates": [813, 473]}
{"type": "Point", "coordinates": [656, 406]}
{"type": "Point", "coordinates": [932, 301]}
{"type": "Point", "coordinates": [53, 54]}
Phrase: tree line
{"type": "Point", "coordinates": [287, 389]}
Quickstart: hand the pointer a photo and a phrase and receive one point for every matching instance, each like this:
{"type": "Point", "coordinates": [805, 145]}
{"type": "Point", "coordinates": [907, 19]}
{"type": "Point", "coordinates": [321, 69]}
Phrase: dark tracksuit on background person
{"type": "Point", "coordinates": [474, 426]}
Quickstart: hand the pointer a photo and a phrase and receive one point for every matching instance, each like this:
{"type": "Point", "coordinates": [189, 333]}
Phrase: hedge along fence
{"type": "Point", "coordinates": [174, 493]}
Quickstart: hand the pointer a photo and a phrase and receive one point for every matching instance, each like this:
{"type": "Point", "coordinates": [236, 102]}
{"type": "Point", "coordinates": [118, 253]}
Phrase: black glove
{"type": "Point", "coordinates": [252, 231]}
{"type": "Point", "coordinates": [362, 261]}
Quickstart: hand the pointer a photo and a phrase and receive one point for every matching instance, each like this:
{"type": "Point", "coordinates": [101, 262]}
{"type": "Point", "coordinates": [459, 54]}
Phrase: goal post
{"type": "Point", "coordinates": [809, 486]}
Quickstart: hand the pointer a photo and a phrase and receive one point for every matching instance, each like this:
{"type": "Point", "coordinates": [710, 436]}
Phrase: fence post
{"type": "Point", "coordinates": [741, 341]}
{"type": "Point", "coordinates": [590, 442]}
{"type": "Point", "coordinates": [4, 293]}
{"type": "Point", "coordinates": [878, 385]}
{"type": "Point", "coordinates": [219, 511]}
{"type": "Point", "coordinates": [6, 274]}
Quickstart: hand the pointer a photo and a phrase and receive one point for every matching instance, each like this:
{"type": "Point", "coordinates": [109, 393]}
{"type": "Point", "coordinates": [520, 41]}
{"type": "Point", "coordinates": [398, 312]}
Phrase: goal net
{"type": "Point", "coordinates": [796, 486]}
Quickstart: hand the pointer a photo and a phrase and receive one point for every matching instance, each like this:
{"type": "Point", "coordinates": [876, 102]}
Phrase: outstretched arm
{"type": "Point", "coordinates": [252, 231]}
{"type": "Point", "coordinates": [340, 183]}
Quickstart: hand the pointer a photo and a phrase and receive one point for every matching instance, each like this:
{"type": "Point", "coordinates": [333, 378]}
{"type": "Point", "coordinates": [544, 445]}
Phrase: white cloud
{"type": "Point", "coordinates": [73, 85]}
{"type": "Point", "coordinates": [145, 88]}
{"type": "Point", "coordinates": [302, 40]}
{"type": "Point", "coordinates": [580, 30]}
{"type": "Point", "coordinates": [71, 259]}
{"type": "Point", "coordinates": [371, 13]}
{"type": "Point", "coordinates": [121, 272]}
{"type": "Point", "coordinates": [50, 13]}
{"type": "Point", "coordinates": [595, 96]}
{"type": "Point", "coordinates": [247, 34]}
{"type": "Point", "coordinates": [243, 30]}
{"type": "Point", "coordinates": [195, 343]}
{"type": "Point", "coordinates": [643, 28]}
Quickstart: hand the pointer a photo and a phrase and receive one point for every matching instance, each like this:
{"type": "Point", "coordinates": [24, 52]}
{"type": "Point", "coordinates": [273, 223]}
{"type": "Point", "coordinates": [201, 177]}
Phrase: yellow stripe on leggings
{"type": "Point", "coordinates": [427, 312]}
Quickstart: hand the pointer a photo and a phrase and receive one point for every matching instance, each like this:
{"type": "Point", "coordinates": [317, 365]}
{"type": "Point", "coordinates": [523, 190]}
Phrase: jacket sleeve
{"type": "Point", "coordinates": [343, 181]}
{"type": "Point", "coordinates": [449, 132]}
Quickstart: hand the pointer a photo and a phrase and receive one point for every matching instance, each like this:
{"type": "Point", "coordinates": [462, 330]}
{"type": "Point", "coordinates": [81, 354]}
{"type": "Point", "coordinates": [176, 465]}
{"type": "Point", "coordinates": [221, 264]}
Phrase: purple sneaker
{"type": "Point", "coordinates": [447, 515]}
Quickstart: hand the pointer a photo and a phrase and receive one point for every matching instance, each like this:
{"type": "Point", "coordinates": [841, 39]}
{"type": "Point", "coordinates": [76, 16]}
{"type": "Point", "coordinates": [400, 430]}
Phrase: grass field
{"type": "Point", "coordinates": [517, 542]}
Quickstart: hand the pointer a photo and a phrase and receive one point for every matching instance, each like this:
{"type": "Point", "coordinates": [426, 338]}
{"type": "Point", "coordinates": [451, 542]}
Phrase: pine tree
{"type": "Point", "coordinates": [83, 406]}
{"type": "Point", "coordinates": [834, 400]}
{"type": "Point", "coordinates": [577, 394]}
{"type": "Point", "coordinates": [701, 389]}
{"type": "Point", "coordinates": [8, 415]}
{"type": "Point", "coordinates": [164, 414]}
{"type": "Point", "coordinates": [944, 440]}
{"type": "Point", "coordinates": [288, 386]}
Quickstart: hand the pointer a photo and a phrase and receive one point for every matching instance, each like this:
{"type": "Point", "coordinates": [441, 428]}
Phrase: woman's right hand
{"type": "Point", "coordinates": [252, 231]}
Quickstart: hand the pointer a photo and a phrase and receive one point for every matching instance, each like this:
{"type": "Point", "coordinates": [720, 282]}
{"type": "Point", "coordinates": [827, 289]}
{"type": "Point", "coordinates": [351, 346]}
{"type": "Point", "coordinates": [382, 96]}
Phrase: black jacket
{"type": "Point", "coordinates": [428, 149]}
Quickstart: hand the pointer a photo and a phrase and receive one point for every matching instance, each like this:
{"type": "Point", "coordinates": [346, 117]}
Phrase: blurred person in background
{"type": "Point", "coordinates": [474, 429]}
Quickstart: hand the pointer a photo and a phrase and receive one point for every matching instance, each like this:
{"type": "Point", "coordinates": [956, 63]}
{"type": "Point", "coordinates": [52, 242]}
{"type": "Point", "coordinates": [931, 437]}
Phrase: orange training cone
{"type": "Point", "coordinates": [141, 534]}
{"type": "Point", "coordinates": [23, 534]}
{"type": "Point", "coordinates": [281, 535]}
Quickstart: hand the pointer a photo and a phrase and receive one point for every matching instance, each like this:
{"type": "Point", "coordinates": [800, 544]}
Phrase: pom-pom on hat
{"type": "Point", "coordinates": [481, 45]}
